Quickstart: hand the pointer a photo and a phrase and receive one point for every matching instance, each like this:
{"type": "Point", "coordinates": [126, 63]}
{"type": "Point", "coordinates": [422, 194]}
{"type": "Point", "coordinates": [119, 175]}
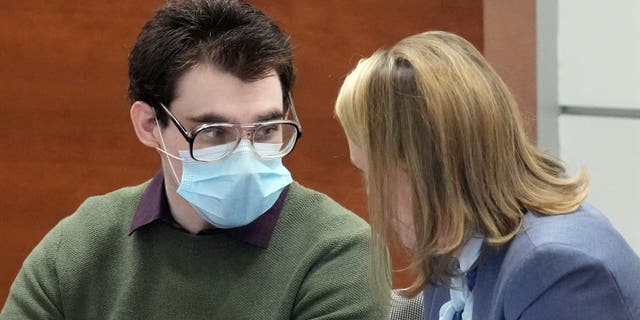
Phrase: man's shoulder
{"type": "Point", "coordinates": [305, 207]}
{"type": "Point", "coordinates": [113, 209]}
{"type": "Point", "coordinates": [82, 238]}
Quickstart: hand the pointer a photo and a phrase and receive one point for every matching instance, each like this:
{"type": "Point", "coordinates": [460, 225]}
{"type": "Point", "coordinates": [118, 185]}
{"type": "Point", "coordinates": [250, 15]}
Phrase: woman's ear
{"type": "Point", "coordinates": [143, 118]}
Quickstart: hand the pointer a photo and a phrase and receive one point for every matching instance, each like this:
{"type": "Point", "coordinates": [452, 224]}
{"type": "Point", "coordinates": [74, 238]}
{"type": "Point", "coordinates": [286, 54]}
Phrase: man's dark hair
{"type": "Point", "coordinates": [229, 34]}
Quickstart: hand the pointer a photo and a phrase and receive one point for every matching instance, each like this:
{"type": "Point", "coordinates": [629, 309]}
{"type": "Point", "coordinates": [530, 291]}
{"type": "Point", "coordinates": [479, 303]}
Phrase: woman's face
{"type": "Point", "coordinates": [400, 196]}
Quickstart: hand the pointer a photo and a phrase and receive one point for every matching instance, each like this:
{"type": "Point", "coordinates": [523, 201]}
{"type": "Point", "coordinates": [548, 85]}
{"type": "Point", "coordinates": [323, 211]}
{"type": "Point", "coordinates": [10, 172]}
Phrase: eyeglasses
{"type": "Point", "coordinates": [269, 139]}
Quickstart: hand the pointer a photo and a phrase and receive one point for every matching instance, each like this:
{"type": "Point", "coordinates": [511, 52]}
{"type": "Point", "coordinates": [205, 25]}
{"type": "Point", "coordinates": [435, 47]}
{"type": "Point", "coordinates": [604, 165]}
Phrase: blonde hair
{"type": "Point", "coordinates": [433, 107]}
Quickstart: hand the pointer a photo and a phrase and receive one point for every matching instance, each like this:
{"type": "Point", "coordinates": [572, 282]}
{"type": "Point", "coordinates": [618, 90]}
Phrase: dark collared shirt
{"type": "Point", "coordinates": [154, 206]}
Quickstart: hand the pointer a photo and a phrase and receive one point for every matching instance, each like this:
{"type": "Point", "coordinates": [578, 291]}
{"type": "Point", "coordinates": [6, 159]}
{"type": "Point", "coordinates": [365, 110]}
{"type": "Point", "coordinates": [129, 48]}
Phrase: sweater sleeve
{"type": "Point", "coordinates": [561, 282]}
{"type": "Point", "coordinates": [339, 284]}
{"type": "Point", "coordinates": [35, 293]}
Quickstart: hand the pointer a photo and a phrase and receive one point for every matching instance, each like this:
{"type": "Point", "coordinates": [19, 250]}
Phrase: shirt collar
{"type": "Point", "coordinates": [154, 206]}
{"type": "Point", "coordinates": [470, 253]}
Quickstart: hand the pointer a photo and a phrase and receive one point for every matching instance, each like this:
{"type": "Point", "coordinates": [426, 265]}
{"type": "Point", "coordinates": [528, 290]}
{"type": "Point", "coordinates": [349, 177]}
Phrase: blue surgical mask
{"type": "Point", "coordinates": [234, 191]}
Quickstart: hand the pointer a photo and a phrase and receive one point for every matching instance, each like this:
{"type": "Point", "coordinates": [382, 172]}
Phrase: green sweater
{"type": "Point", "coordinates": [87, 267]}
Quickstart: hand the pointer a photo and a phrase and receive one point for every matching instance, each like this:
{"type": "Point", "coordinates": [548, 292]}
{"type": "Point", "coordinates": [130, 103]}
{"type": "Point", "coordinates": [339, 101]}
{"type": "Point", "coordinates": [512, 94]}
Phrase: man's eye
{"type": "Point", "coordinates": [215, 136]}
{"type": "Point", "coordinates": [216, 132]}
{"type": "Point", "coordinates": [266, 132]}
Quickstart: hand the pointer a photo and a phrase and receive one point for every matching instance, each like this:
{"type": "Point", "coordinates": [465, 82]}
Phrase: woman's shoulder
{"type": "Point", "coordinates": [585, 229]}
{"type": "Point", "coordinates": [553, 256]}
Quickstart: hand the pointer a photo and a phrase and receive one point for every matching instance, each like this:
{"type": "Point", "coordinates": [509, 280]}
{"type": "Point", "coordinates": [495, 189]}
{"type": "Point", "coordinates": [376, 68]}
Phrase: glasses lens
{"type": "Point", "coordinates": [274, 140]}
{"type": "Point", "coordinates": [215, 142]}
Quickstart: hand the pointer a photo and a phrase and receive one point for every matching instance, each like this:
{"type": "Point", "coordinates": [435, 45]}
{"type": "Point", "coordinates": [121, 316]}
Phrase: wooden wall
{"type": "Point", "coordinates": [510, 46]}
{"type": "Point", "coordinates": [64, 118]}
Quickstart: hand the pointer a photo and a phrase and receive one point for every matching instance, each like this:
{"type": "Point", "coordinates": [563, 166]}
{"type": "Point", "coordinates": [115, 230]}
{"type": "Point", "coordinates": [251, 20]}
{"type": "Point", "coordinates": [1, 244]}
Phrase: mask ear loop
{"type": "Point", "coordinates": [166, 153]}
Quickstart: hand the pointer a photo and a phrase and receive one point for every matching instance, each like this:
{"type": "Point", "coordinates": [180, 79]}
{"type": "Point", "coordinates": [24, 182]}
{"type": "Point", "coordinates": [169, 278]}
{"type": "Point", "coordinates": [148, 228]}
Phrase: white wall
{"type": "Point", "coordinates": [609, 149]}
{"type": "Point", "coordinates": [599, 68]}
{"type": "Point", "coordinates": [599, 53]}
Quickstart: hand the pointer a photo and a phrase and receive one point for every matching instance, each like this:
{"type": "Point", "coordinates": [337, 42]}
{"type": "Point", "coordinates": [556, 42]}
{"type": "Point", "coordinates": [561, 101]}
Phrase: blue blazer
{"type": "Point", "coordinates": [573, 266]}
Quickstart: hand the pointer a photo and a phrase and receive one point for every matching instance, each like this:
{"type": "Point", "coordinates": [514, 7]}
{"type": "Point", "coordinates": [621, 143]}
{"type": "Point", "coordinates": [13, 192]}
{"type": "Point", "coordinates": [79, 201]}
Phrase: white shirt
{"type": "Point", "coordinates": [461, 296]}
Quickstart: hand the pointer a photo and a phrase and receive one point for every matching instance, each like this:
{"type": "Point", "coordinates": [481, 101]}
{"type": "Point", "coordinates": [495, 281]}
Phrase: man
{"type": "Point", "coordinates": [222, 231]}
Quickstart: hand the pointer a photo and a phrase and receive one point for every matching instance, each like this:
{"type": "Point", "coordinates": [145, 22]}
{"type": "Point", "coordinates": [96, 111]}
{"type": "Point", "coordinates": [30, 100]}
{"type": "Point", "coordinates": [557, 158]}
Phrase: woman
{"type": "Point", "coordinates": [496, 228]}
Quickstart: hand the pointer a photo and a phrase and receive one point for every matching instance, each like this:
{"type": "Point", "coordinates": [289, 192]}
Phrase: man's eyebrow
{"type": "Point", "coordinates": [216, 118]}
{"type": "Point", "coordinates": [210, 118]}
{"type": "Point", "coordinates": [273, 115]}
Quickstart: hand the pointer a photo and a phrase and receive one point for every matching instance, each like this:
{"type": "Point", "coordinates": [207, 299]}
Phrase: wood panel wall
{"type": "Point", "coordinates": [510, 46]}
{"type": "Point", "coordinates": [65, 129]}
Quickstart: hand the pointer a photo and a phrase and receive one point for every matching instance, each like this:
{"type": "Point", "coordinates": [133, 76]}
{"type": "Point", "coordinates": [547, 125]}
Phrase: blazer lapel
{"type": "Point", "coordinates": [487, 302]}
{"type": "Point", "coordinates": [485, 297]}
{"type": "Point", "coordinates": [434, 298]}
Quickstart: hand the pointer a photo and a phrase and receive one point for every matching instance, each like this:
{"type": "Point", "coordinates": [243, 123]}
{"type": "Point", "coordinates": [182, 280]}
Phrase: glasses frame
{"type": "Point", "coordinates": [249, 127]}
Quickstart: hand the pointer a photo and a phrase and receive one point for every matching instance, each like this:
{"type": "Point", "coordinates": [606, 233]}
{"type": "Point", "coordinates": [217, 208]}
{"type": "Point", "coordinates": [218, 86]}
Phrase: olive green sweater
{"type": "Point", "coordinates": [87, 267]}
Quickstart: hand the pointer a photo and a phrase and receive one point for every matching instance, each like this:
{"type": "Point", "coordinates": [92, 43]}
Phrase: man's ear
{"type": "Point", "coordinates": [144, 123]}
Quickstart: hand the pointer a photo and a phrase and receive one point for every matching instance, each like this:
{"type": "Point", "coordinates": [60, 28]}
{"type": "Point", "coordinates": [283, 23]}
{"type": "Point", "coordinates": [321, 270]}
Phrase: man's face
{"type": "Point", "coordinates": [206, 94]}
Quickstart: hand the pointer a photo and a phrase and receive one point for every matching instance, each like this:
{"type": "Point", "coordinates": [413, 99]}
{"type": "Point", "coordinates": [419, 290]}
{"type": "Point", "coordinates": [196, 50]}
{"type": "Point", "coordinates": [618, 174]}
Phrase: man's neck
{"type": "Point", "coordinates": [184, 214]}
